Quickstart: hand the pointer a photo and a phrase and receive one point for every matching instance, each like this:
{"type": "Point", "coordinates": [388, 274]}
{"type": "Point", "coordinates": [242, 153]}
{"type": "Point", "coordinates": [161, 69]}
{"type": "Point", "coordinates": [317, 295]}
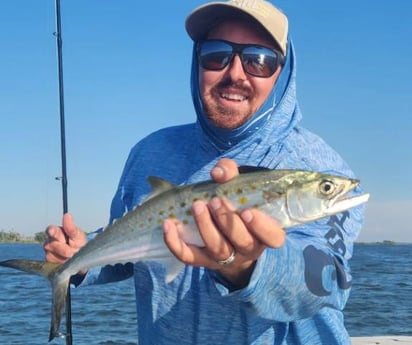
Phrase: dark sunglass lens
{"type": "Point", "coordinates": [214, 55]}
{"type": "Point", "coordinates": [260, 62]}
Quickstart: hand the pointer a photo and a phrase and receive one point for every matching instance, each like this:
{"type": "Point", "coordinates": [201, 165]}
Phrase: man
{"type": "Point", "coordinates": [251, 283]}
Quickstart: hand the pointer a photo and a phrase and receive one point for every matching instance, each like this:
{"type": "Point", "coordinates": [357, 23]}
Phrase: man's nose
{"type": "Point", "coordinates": [235, 69]}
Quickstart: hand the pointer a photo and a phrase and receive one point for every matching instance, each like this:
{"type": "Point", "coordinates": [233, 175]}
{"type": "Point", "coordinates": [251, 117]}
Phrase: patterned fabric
{"type": "Point", "coordinates": [296, 293]}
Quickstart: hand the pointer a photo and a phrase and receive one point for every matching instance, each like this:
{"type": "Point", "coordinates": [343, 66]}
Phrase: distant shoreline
{"type": "Point", "coordinates": [12, 236]}
{"type": "Point", "coordinates": [30, 240]}
{"type": "Point", "coordinates": [26, 241]}
{"type": "Point", "coordinates": [39, 237]}
{"type": "Point", "coordinates": [384, 243]}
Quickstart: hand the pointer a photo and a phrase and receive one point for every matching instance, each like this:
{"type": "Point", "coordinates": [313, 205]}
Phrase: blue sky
{"type": "Point", "coordinates": [126, 73]}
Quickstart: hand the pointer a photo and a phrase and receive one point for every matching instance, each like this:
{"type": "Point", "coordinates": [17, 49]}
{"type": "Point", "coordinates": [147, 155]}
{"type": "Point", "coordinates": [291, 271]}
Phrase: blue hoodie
{"type": "Point", "coordinates": [296, 293]}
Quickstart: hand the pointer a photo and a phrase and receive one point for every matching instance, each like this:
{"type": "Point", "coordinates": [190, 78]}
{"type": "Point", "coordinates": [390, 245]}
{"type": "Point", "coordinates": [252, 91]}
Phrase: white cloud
{"type": "Point", "coordinates": [387, 220]}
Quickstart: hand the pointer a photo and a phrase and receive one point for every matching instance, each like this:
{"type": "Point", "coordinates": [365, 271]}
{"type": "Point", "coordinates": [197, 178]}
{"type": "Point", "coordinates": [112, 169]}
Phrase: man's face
{"type": "Point", "coordinates": [231, 96]}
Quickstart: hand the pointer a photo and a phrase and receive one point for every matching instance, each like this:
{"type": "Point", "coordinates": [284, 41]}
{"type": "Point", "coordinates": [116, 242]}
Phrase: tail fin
{"type": "Point", "coordinates": [58, 280]}
{"type": "Point", "coordinates": [41, 268]}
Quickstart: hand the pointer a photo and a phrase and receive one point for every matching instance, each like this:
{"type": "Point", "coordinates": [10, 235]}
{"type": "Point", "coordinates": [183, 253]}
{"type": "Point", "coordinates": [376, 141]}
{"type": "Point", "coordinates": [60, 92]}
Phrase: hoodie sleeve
{"type": "Point", "coordinates": [309, 272]}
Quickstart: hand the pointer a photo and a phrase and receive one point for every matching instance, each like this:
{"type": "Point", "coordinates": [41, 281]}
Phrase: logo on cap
{"type": "Point", "coordinates": [259, 7]}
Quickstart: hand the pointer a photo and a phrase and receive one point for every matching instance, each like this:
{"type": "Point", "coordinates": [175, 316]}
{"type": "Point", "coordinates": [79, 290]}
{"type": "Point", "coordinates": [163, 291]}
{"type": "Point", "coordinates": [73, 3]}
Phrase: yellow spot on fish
{"type": "Point", "coordinates": [161, 213]}
{"type": "Point", "coordinates": [206, 195]}
{"type": "Point", "coordinates": [188, 212]}
{"type": "Point", "coordinates": [242, 200]}
{"type": "Point", "coordinates": [172, 216]}
{"type": "Point", "coordinates": [185, 221]}
{"type": "Point", "coordinates": [239, 191]}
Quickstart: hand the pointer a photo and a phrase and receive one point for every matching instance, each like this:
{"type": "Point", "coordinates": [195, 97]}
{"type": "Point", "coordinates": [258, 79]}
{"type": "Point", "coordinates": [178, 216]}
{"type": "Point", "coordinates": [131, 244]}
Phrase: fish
{"type": "Point", "coordinates": [292, 197]}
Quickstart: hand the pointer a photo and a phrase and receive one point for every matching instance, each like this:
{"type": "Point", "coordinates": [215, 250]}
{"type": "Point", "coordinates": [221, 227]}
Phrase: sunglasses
{"type": "Point", "coordinates": [258, 61]}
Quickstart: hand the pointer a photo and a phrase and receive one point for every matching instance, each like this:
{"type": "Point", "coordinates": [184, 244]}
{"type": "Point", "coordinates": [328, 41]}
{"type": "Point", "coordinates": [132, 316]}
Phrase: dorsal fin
{"type": "Point", "coordinates": [244, 169]}
{"type": "Point", "coordinates": [158, 185]}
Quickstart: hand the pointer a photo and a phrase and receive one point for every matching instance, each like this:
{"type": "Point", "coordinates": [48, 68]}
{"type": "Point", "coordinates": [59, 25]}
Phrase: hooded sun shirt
{"type": "Point", "coordinates": [224, 139]}
{"type": "Point", "coordinates": [297, 292]}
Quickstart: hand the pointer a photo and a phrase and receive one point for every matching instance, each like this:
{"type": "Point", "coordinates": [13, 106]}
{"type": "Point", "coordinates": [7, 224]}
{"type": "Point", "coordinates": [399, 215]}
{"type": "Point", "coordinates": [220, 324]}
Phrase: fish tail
{"type": "Point", "coordinates": [41, 268]}
{"type": "Point", "coordinates": [59, 282]}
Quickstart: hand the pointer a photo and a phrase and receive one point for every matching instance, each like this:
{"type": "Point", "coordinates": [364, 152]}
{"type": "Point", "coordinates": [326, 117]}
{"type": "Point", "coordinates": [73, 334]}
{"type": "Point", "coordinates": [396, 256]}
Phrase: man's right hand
{"type": "Point", "coordinates": [63, 242]}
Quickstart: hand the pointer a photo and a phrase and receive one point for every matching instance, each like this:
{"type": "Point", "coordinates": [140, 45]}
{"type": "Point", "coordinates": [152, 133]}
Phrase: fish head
{"type": "Point", "coordinates": [314, 195]}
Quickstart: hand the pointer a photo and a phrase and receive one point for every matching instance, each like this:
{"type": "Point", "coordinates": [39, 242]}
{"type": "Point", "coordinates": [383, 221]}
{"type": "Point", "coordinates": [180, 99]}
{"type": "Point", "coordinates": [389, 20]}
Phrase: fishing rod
{"type": "Point", "coordinates": [63, 178]}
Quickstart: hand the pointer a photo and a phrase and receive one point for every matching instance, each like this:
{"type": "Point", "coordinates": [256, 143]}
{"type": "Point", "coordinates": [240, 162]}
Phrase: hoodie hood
{"type": "Point", "coordinates": [278, 114]}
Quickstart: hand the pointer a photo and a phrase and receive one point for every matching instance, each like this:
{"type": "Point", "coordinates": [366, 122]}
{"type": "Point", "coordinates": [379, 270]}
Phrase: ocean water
{"type": "Point", "coordinates": [380, 302]}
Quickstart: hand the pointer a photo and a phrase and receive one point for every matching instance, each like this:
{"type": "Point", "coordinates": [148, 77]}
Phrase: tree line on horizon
{"type": "Point", "coordinates": [11, 236]}
{"type": "Point", "coordinates": [14, 236]}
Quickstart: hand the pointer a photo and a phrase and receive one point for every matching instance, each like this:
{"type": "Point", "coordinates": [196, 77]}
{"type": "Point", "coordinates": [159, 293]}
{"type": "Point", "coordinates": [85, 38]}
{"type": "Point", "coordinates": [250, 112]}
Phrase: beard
{"type": "Point", "coordinates": [225, 116]}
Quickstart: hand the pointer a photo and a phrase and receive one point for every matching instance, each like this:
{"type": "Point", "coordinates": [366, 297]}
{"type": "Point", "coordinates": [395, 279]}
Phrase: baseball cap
{"type": "Point", "coordinates": [205, 17]}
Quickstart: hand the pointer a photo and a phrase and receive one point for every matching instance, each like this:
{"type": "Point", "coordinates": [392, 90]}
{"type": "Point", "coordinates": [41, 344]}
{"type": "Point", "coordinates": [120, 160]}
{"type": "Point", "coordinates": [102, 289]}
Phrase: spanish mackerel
{"type": "Point", "coordinates": [291, 196]}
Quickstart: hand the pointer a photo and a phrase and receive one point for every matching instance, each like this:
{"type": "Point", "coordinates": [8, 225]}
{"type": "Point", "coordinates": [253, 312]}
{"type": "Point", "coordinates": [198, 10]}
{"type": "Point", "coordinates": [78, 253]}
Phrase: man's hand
{"type": "Point", "coordinates": [63, 242]}
{"type": "Point", "coordinates": [226, 232]}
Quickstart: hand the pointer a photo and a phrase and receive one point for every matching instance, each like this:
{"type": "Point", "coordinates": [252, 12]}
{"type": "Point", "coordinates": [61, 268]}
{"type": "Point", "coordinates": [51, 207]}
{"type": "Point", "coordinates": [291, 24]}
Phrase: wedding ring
{"type": "Point", "coordinates": [227, 261]}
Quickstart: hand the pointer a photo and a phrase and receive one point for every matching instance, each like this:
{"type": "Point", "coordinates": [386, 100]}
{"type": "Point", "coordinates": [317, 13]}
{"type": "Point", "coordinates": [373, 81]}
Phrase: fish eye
{"type": "Point", "coordinates": [327, 187]}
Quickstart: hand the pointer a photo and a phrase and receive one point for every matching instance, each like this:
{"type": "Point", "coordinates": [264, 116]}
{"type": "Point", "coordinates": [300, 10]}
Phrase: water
{"type": "Point", "coordinates": [381, 299]}
{"type": "Point", "coordinates": [102, 315]}
{"type": "Point", "coordinates": [380, 302]}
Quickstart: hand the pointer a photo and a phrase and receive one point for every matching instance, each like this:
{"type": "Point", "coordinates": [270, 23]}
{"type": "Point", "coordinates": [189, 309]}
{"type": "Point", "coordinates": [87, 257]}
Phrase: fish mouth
{"type": "Point", "coordinates": [343, 203]}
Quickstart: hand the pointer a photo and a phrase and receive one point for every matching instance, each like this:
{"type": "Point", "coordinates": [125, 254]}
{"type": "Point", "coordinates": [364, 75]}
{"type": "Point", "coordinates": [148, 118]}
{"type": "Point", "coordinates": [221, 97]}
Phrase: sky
{"type": "Point", "coordinates": [126, 66]}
